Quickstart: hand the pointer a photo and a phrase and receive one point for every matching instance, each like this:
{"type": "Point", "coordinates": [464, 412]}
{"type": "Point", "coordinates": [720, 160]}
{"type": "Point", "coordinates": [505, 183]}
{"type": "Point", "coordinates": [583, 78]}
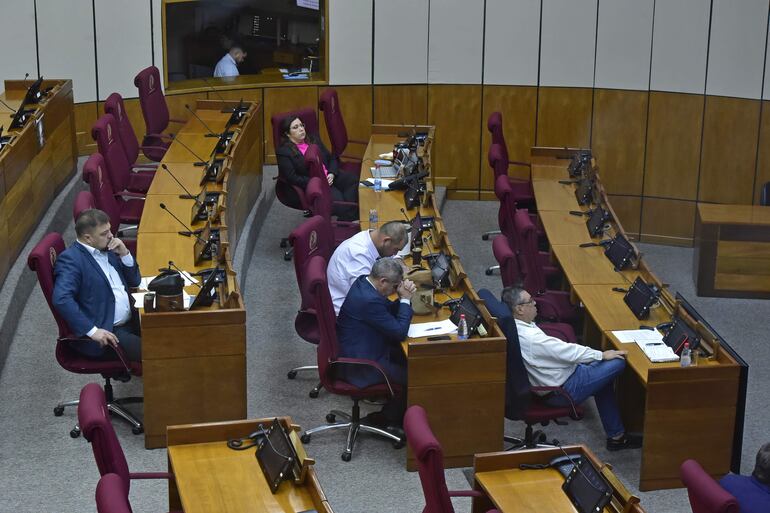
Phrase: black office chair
{"type": "Point", "coordinates": [764, 195]}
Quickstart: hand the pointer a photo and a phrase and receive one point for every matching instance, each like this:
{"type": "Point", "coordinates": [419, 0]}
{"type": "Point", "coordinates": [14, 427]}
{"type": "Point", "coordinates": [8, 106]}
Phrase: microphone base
{"type": "Point", "coordinates": [212, 135]}
{"type": "Point", "coordinates": [200, 164]}
{"type": "Point", "coordinates": [187, 196]}
{"type": "Point", "coordinates": [228, 111]}
{"type": "Point", "coordinates": [190, 233]}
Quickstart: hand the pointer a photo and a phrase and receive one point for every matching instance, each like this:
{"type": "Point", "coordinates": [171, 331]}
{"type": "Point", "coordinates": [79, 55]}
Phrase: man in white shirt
{"type": "Point", "coordinates": [583, 372]}
{"type": "Point", "coordinates": [228, 64]}
{"type": "Point", "coordinates": [356, 256]}
{"type": "Point", "coordinates": [92, 278]}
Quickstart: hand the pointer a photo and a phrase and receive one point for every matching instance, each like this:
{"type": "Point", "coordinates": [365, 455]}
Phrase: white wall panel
{"type": "Point", "coordinates": [737, 48]}
{"type": "Point", "coordinates": [66, 40]}
{"type": "Point", "coordinates": [157, 39]}
{"type": "Point", "coordinates": [512, 42]}
{"type": "Point", "coordinates": [17, 39]}
{"type": "Point", "coordinates": [456, 41]}
{"type": "Point", "coordinates": [624, 36]}
{"type": "Point", "coordinates": [350, 42]}
{"type": "Point", "coordinates": [679, 44]}
{"type": "Point", "coordinates": [401, 41]}
{"type": "Point", "coordinates": [123, 45]}
{"type": "Point", "coordinates": [568, 43]}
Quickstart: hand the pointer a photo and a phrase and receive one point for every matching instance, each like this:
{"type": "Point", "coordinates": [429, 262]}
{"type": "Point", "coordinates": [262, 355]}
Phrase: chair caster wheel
{"type": "Point", "coordinates": [399, 444]}
{"type": "Point", "coordinates": [58, 411]}
{"type": "Point", "coordinates": [284, 243]}
{"type": "Point", "coordinates": [488, 272]}
{"type": "Point", "coordinates": [74, 433]}
{"type": "Point", "coordinates": [346, 456]}
{"type": "Point", "coordinates": [485, 236]}
{"type": "Point", "coordinates": [305, 438]}
{"type": "Point", "coordinates": [555, 442]}
{"type": "Point", "coordinates": [331, 418]}
{"type": "Point", "coordinates": [287, 257]}
{"type": "Point", "coordinates": [313, 393]}
{"type": "Point", "coordinates": [540, 438]}
{"type": "Point", "coordinates": [291, 374]}
{"type": "Point", "coordinates": [137, 430]}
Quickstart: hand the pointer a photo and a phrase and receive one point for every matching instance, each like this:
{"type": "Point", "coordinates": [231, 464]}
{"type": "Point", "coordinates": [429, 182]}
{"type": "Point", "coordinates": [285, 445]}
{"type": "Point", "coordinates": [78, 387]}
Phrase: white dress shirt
{"type": "Point", "coordinates": [226, 67]}
{"type": "Point", "coordinates": [122, 304]}
{"type": "Point", "coordinates": [550, 361]}
{"type": "Point", "coordinates": [353, 258]}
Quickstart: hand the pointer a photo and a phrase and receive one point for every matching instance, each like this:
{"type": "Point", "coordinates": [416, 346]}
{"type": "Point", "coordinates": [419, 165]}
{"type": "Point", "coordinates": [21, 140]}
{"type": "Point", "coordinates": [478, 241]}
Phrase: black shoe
{"type": "Point", "coordinates": [375, 419]}
{"type": "Point", "coordinates": [627, 441]}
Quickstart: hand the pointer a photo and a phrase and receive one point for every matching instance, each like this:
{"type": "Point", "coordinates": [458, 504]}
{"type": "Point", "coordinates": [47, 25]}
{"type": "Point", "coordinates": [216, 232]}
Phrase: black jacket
{"type": "Point", "coordinates": [291, 163]}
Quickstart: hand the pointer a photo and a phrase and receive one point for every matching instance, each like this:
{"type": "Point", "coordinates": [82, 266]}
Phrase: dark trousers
{"type": "Point", "coordinates": [129, 340]}
{"type": "Point", "coordinates": [345, 188]}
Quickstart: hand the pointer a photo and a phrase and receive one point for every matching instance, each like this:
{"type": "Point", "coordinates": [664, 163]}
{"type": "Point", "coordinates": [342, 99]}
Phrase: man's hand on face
{"type": "Point", "coordinates": [406, 289]}
{"type": "Point", "coordinates": [117, 246]}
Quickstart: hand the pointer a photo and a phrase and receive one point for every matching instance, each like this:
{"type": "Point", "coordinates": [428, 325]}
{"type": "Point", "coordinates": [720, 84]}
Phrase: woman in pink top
{"type": "Point", "coordinates": [291, 166]}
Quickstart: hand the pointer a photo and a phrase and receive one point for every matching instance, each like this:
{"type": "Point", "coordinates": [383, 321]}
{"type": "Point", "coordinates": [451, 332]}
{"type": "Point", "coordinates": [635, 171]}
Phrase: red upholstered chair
{"type": "Point", "coordinates": [107, 136]}
{"type": "Point", "coordinates": [111, 495]}
{"type": "Point", "coordinates": [97, 429]}
{"type": "Point", "coordinates": [522, 189]}
{"type": "Point", "coordinates": [155, 112]}
{"type": "Point", "coordinates": [507, 261]}
{"type": "Point", "coordinates": [288, 194]}
{"type": "Point", "coordinates": [329, 104]}
{"type": "Point", "coordinates": [114, 105]}
{"type": "Point", "coordinates": [85, 201]}
{"type": "Point", "coordinates": [119, 209]}
{"type": "Point", "coordinates": [552, 305]}
{"type": "Point", "coordinates": [313, 237]}
{"type": "Point", "coordinates": [495, 127]}
{"type": "Point", "coordinates": [329, 360]}
{"type": "Point", "coordinates": [320, 201]}
{"type": "Point", "coordinates": [430, 463]}
{"type": "Point", "coordinates": [522, 401]}
{"type": "Point", "coordinates": [42, 260]}
{"type": "Point", "coordinates": [706, 496]}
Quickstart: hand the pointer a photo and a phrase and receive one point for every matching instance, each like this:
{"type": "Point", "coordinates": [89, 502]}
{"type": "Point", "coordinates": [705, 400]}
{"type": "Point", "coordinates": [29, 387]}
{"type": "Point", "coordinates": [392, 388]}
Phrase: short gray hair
{"type": "Point", "coordinates": [396, 230]}
{"type": "Point", "coordinates": [388, 268]}
{"type": "Point", "coordinates": [90, 219]}
{"type": "Point", "coordinates": [762, 467]}
{"type": "Point", "coordinates": [512, 296]}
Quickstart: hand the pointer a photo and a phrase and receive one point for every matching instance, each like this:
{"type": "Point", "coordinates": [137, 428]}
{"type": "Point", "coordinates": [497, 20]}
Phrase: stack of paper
{"type": "Point", "coordinates": [429, 329]}
{"type": "Point", "coordinates": [650, 342]}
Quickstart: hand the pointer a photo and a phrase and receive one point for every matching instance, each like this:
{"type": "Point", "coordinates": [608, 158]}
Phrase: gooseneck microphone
{"type": "Point", "coordinates": [200, 162]}
{"type": "Point", "coordinates": [406, 216]}
{"type": "Point", "coordinates": [10, 108]}
{"type": "Point", "coordinates": [211, 132]}
{"type": "Point", "coordinates": [189, 231]}
{"type": "Point", "coordinates": [171, 264]}
{"type": "Point", "coordinates": [182, 196]}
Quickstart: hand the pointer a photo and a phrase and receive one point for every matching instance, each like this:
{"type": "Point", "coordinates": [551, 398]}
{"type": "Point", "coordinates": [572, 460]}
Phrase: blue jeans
{"type": "Point", "coordinates": [596, 379]}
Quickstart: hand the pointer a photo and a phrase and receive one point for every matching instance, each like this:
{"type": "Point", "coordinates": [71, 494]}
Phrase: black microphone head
{"type": "Point", "coordinates": [164, 166]}
{"type": "Point", "coordinates": [187, 106]}
{"type": "Point", "coordinates": [26, 76]}
{"type": "Point", "coordinates": [163, 206]}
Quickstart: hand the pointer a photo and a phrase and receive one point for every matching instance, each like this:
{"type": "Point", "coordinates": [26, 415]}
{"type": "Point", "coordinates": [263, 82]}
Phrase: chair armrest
{"type": "Point", "coordinates": [518, 163]}
{"type": "Point", "coordinates": [351, 158]}
{"type": "Point", "coordinates": [129, 195]}
{"type": "Point", "coordinates": [345, 203]}
{"type": "Point", "coordinates": [174, 120]}
{"type": "Point", "coordinates": [560, 391]}
{"type": "Point", "coordinates": [465, 493]}
{"type": "Point", "coordinates": [157, 148]}
{"type": "Point", "coordinates": [170, 137]}
{"type": "Point", "coordinates": [131, 228]}
{"type": "Point", "coordinates": [151, 475]}
{"type": "Point", "coordinates": [145, 168]}
{"type": "Point", "coordinates": [367, 363]}
{"type": "Point", "coordinates": [346, 224]}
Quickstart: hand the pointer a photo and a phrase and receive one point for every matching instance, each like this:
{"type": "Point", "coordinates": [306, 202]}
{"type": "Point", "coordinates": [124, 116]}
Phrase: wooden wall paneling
{"type": "Point", "coordinates": [518, 105]}
{"type": "Point", "coordinates": [628, 209]}
{"type": "Point", "coordinates": [763, 158]}
{"type": "Point", "coordinates": [176, 109]}
{"type": "Point", "coordinates": [281, 100]}
{"type": "Point", "coordinates": [667, 221]}
{"type": "Point", "coordinates": [400, 104]}
{"type": "Point", "coordinates": [455, 110]}
{"type": "Point", "coordinates": [673, 145]}
{"type": "Point", "coordinates": [85, 117]}
{"type": "Point", "coordinates": [564, 116]}
{"type": "Point", "coordinates": [618, 138]}
{"type": "Point", "coordinates": [728, 155]}
{"type": "Point", "coordinates": [5, 246]}
{"type": "Point", "coordinates": [356, 107]}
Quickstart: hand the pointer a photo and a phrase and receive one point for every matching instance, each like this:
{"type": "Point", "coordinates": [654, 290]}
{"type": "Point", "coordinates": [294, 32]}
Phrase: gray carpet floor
{"type": "Point", "coordinates": [43, 469]}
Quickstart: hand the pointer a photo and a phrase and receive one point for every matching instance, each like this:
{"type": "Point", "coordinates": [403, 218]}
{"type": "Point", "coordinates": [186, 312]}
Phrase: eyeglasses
{"type": "Point", "coordinates": [530, 302]}
{"type": "Point", "coordinates": [300, 125]}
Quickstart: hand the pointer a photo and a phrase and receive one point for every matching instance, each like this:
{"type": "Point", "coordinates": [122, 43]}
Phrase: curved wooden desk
{"type": "Point", "coordinates": [194, 362]}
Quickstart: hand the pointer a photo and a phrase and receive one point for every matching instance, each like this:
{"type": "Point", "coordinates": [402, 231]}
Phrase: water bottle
{"type": "Point", "coordinates": [462, 328]}
{"type": "Point", "coordinates": [377, 179]}
{"type": "Point", "coordinates": [373, 219]}
{"type": "Point", "coordinates": [685, 360]}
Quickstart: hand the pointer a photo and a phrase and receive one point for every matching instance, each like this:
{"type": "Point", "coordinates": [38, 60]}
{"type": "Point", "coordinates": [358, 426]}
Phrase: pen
{"type": "Point", "coordinates": [654, 344]}
{"type": "Point", "coordinates": [433, 329]}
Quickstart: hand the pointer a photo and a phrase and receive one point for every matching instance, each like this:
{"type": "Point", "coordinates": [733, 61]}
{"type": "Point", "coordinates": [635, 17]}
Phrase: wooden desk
{"type": "Point", "coordinates": [564, 228]}
{"type": "Point", "coordinates": [510, 489]}
{"type": "Point", "coordinates": [588, 265]}
{"type": "Point", "coordinates": [459, 383]}
{"type": "Point", "coordinates": [608, 310]}
{"type": "Point", "coordinates": [194, 362]}
{"type": "Point", "coordinates": [209, 476]}
{"type": "Point", "coordinates": [32, 174]}
{"type": "Point", "coordinates": [551, 195]}
{"type": "Point", "coordinates": [732, 251]}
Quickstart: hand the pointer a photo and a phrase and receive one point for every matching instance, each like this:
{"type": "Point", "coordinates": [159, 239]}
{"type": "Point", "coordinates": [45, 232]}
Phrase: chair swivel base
{"type": "Point", "coordinates": [293, 374]}
{"type": "Point", "coordinates": [487, 235]}
{"type": "Point", "coordinates": [489, 271]}
{"type": "Point", "coordinates": [532, 440]}
{"type": "Point", "coordinates": [354, 426]}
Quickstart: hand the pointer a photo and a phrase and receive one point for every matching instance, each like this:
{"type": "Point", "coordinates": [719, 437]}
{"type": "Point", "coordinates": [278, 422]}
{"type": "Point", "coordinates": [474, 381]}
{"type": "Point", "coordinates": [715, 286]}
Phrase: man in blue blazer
{"type": "Point", "coordinates": [92, 277]}
{"type": "Point", "coordinates": [370, 326]}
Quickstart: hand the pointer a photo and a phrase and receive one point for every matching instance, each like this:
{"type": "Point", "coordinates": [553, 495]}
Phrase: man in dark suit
{"type": "Point", "coordinates": [91, 290]}
{"type": "Point", "coordinates": [370, 326]}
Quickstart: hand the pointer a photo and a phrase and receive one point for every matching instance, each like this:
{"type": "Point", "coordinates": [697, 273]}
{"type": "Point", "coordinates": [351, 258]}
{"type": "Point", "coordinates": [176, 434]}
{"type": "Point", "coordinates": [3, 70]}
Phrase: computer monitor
{"type": "Point", "coordinates": [620, 252]}
{"type": "Point", "coordinates": [597, 221]}
{"type": "Point", "coordinates": [679, 333]}
{"type": "Point", "coordinates": [33, 92]}
{"type": "Point", "coordinates": [640, 298]}
{"type": "Point", "coordinates": [208, 292]}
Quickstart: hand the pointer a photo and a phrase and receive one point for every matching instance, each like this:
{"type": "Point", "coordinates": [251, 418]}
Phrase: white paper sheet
{"type": "Point", "coordinates": [630, 336]}
{"type": "Point", "coordinates": [429, 329]}
{"type": "Point", "coordinates": [385, 183]}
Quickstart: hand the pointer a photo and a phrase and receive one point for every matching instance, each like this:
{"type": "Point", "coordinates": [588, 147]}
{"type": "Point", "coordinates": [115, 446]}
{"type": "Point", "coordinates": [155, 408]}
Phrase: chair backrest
{"type": "Point", "coordinates": [517, 385]}
{"type": "Point", "coordinates": [306, 114]}
{"type": "Point", "coordinates": [495, 127]}
{"type": "Point", "coordinates": [94, 422]}
{"type": "Point", "coordinates": [764, 195]}
{"type": "Point", "coordinates": [83, 201]}
{"type": "Point", "coordinates": [107, 136]}
{"type": "Point", "coordinates": [42, 260]}
{"type": "Point", "coordinates": [114, 105]}
{"type": "Point", "coordinates": [309, 239]}
{"type": "Point", "coordinates": [111, 495]}
{"type": "Point", "coordinates": [498, 160]}
{"type": "Point", "coordinates": [430, 460]}
{"type": "Point", "coordinates": [335, 124]}
{"type": "Point", "coordinates": [529, 263]}
{"type": "Point", "coordinates": [315, 281]}
{"type": "Point", "coordinates": [153, 103]}
{"type": "Point", "coordinates": [98, 180]}
{"type": "Point", "coordinates": [319, 198]}
{"type": "Point", "coordinates": [507, 208]}
{"type": "Point", "coordinates": [706, 496]}
{"type": "Point", "coordinates": [508, 261]}
{"type": "Point", "coordinates": [314, 163]}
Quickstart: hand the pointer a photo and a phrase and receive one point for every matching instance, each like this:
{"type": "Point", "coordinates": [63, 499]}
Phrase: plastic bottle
{"type": "Point", "coordinates": [685, 360]}
{"type": "Point", "coordinates": [374, 220]}
{"type": "Point", "coordinates": [462, 328]}
{"type": "Point", "coordinates": [377, 179]}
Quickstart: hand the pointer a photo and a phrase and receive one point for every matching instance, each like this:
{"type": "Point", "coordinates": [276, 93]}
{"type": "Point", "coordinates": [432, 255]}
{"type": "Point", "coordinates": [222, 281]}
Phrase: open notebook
{"type": "Point", "coordinates": [650, 342]}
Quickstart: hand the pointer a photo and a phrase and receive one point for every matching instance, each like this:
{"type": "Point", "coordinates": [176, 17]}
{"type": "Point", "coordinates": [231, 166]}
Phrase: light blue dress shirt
{"type": "Point", "coordinates": [226, 67]}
